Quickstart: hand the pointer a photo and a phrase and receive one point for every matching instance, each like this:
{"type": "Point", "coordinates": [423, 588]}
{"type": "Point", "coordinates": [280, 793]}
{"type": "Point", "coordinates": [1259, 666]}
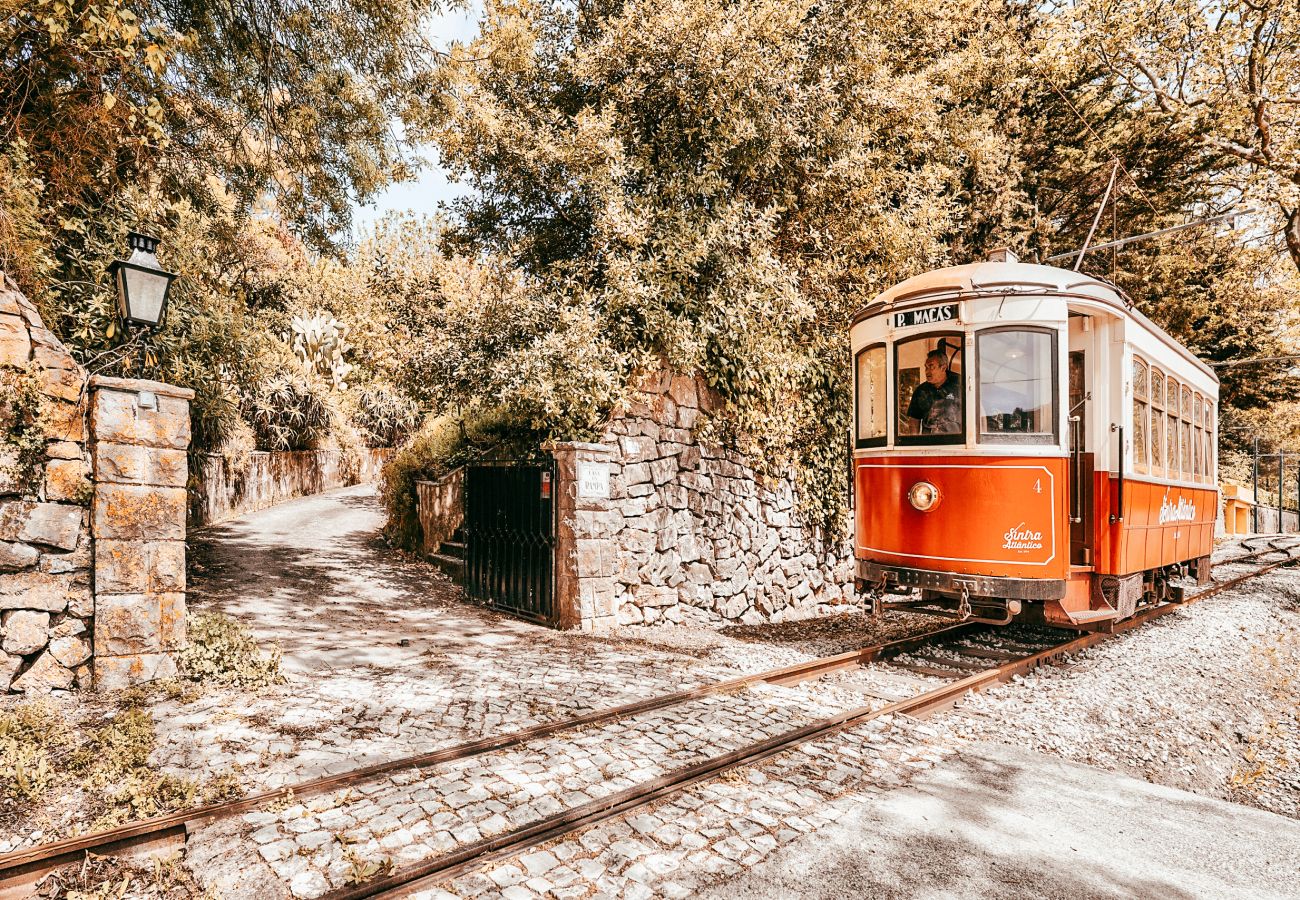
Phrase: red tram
{"type": "Point", "coordinates": [1026, 444]}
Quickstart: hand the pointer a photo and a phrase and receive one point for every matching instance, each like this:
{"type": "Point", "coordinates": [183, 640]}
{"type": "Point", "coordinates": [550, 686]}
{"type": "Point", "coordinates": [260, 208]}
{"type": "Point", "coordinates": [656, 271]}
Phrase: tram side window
{"type": "Point", "coordinates": [1141, 413]}
{"type": "Point", "coordinates": [1197, 463]}
{"type": "Point", "coordinates": [1017, 390]}
{"type": "Point", "coordinates": [1157, 422]}
{"type": "Point", "coordinates": [871, 387]}
{"type": "Point", "coordinates": [1203, 445]}
{"type": "Point", "coordinates": [1171, 427]}
{"type": "Point", "coordinates": [931, 398]}
{"type": "Point", "coordinates": [1185, 433]}
{"type": "Point", "coordinates": [1210, 444]}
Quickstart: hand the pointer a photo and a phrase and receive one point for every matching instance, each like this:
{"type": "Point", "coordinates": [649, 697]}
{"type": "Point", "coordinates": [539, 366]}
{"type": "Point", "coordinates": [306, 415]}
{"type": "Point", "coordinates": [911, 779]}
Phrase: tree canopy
{"type": "Point", "coordinates": [710, 185]}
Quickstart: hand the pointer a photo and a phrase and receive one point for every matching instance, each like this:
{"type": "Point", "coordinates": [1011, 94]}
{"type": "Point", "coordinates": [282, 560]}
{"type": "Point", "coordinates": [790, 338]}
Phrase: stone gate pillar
{"type": "Point", "coordinates": [584, 554]}
{"type": "Point", "coordinates": [139, 433]}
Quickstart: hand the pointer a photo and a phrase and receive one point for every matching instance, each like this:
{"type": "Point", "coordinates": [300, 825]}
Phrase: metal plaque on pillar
{"type": "Point", "coordinates": [593, 480]}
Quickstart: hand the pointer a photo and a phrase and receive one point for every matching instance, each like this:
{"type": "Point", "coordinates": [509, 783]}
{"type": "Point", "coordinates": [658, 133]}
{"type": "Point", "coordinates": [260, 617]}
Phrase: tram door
{"type": "Point", "coordinates": [1081, 459]}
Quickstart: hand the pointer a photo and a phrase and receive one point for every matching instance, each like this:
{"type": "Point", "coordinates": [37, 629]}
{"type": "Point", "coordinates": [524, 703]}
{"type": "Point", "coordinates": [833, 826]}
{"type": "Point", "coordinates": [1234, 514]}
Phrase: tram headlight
{"type": "Point", "coordinates": [923, 496]}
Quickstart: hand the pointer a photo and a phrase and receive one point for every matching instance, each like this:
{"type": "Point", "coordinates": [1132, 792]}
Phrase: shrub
{"type": "Point", "coordinates": [222, 650]}
{"type": "Point", "coordinates": [289, 411]}
{"type": "Point", "coordinates": [21, 432]}
{"type": "Point", "coordinates": [28, 733]}
{"type": "Point", "coordinates": [115, 750]}
{"type": "Point", "coordinates": [444, 443]}
{"type": "Point", "coordinates": [384, 416]}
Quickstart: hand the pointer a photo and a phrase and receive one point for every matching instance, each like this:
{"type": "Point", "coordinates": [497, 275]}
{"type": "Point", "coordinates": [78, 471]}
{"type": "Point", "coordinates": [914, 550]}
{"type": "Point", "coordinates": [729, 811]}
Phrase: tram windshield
{"type": "Point", "coordinates": [1017, 390]}
{"type": "Point", "coordinates": [931, 400]}
{"type": "Point", "coordinates": [871, 393]}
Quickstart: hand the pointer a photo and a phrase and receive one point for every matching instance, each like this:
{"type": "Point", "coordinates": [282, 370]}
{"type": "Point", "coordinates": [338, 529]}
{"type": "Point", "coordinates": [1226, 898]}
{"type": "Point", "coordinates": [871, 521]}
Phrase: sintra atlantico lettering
{"type": "Point", "coordinates": [1020, 538]}
{"type": "Point", "coordinates": [1183, 511]}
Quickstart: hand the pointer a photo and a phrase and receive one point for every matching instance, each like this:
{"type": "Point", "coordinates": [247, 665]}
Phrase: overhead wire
{"type": "Point", "coordinates": [1033, 65]}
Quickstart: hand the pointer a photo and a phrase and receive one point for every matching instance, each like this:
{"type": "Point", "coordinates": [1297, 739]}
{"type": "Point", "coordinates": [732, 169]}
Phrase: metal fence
{"type": "Point", "coordinates": [510, 536]}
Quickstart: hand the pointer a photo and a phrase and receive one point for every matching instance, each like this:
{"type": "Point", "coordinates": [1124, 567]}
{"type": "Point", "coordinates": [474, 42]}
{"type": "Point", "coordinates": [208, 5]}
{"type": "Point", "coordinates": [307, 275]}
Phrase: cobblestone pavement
{"type": "Point", "coordinates": [704, 834]}
{"type": "Point", "coordinates": [470, 672]}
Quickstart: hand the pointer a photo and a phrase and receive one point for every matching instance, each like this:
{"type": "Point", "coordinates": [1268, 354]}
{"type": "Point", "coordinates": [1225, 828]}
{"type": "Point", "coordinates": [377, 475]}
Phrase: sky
{"type": "Point", "coordinates": [431, 187]}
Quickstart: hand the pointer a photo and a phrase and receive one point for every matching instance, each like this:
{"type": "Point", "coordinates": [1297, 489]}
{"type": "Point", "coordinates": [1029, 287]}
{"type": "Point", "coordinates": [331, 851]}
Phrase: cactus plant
{"type": "Point", "coordinates": [320, 341]}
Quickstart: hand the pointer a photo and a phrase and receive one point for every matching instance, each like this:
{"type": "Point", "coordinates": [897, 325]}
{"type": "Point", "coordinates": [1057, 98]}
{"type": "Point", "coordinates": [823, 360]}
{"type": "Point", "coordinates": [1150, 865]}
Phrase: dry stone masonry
{"type": "Point", "coordinates": [141, 432]}
{"type": "Point", "coordinates": [684, 531]}
{"type": "Point", "coordinates": [92, 538]}
{"type": "Point", "coordinates": [46, 605]}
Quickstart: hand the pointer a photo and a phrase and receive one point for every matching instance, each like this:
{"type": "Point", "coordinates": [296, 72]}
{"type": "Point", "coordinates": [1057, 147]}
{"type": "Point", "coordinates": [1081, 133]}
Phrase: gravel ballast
{"type": "Point", "coordinates": [1206, 699]}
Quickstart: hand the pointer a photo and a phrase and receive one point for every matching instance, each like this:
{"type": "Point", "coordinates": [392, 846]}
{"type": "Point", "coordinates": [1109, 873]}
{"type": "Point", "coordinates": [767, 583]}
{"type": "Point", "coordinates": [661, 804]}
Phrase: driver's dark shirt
{"type": "Point", "coordinates": [938, 409]}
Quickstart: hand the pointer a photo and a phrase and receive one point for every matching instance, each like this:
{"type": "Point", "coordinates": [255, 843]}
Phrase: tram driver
{"type": "Point", "coordinates": [936, 402]}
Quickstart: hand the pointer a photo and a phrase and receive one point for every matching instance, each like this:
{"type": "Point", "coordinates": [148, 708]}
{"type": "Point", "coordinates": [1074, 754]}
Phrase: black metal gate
{"type": "Point", "coordinates": [510, 537]}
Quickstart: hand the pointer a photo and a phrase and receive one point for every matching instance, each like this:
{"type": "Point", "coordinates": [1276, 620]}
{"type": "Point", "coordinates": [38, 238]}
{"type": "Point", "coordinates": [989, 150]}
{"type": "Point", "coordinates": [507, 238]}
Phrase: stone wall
{"type": "Point", "coordinates": [586, 556]}
{"type": "Point", "coordinates": [440, 506]}
{"type": "Point", "coordinates": [222, 490]}
{"type": "Point", "coordinates": [140, 431]}
{"type": "Point", "coordinates": [47, 611]}
{"type": "Point", "coordinates": [92, 542]}
{"type": "Point", "coordinates": [688, 532]}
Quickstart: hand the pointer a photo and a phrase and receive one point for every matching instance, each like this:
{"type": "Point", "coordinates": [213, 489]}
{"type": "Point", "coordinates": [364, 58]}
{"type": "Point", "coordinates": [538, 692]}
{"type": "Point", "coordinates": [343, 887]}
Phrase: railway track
{"type": "Point", "coordinates": [1275, 545]}
{"type": "Point", "coordinates": [964, 657]}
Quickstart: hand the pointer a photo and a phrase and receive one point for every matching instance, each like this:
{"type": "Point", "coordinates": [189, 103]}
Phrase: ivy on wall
{"type": "Point", "coordinates": [22, 433]}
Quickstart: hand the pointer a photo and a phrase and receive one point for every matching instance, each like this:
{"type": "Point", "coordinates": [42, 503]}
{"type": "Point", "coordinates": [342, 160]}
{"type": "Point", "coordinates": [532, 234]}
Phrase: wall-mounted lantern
{"type": "Point", "coordinates": [142, 284]}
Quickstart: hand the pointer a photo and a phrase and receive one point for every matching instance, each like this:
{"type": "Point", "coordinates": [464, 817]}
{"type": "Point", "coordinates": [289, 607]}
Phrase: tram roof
{"type": "Point", "coordinates": [994, 279]}
{"type": "Point", "coordinates": [980, 277]}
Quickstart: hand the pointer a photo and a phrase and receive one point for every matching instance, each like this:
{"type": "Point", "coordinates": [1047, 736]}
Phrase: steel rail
{"type": "Point", "coordinates": [510, 844]}
{"type": "Point", "coordinates": [1256, 554]}
{"type": "Point", "coordinates": [23, 865]}
{"type": "Point", "coordinates": [20, 865]}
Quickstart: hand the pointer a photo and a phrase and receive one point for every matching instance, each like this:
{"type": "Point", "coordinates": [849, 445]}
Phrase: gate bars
{"type": "Point", "coordinates": [510, 536]}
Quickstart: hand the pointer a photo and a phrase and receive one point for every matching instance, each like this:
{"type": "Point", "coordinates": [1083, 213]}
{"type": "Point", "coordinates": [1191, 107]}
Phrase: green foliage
{"type": "Point", "coordinates": [22, 433]}
{"type": "Point", "coordinates": [116, 749]}
{"type": "Point", "coordinates": [384, 416]}
{"type": "Point", "coordinates": [1225, 72]}
{"type": "Point", "coordinates": [141, 793]}
{"type": "Point", "coordinates": [242, 136]}
{"type": "Point", "coordinates": [113, 763]}
{"type": "Point", "coordinates": [25, 237]}
{"type": "Point", "coordinates": [29, 734]}
{"type": "Point", "coordinates": [442, 444]}
{"type": "Point", "coordinates": [110, 762]}
{"type": "Point", "coordinates": [290, 98]}
{"type": "Point", "coordinates": [222, 650]}
{"type": "Point", "coordinates": [360, 870]}
{"type": "Point", "coordinates": [221, 788]}
{"type": "Point", "coordinates": [289, 411]}
{"type": "Point", "coordinates": [714, 187]}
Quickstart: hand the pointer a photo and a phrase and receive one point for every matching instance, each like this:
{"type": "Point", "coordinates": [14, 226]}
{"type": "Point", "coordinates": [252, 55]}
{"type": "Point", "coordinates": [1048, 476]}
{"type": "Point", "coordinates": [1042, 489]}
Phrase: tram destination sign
{"type": "Point", "coordinates": [928, 315]}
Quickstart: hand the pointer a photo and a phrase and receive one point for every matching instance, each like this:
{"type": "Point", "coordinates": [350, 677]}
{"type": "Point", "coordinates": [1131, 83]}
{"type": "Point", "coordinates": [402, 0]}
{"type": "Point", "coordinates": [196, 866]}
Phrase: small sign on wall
{"type": "Point", "coordinates": [593, 480]}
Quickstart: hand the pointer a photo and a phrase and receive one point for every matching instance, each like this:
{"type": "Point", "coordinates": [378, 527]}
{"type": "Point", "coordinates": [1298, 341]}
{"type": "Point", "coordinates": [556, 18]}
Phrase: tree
{"type": "Point", "coordinates": [286, 98]}
{"type": "Point", "coordinates": [241, 131]}
{"type": "Point", "coordinates": [1227, 70]}
{"type": "Point", "coordinates": [1064, 124]}
{"type": "Point", "coordinates": [718, 185]}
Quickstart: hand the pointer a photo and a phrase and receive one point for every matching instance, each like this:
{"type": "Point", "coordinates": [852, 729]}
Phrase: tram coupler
{"type": "Point", "coordinates": [985, 610]}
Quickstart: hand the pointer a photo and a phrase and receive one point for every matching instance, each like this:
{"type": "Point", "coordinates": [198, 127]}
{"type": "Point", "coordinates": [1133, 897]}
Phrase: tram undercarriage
{"type": "Point", "coordinates": [1000, 601]}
